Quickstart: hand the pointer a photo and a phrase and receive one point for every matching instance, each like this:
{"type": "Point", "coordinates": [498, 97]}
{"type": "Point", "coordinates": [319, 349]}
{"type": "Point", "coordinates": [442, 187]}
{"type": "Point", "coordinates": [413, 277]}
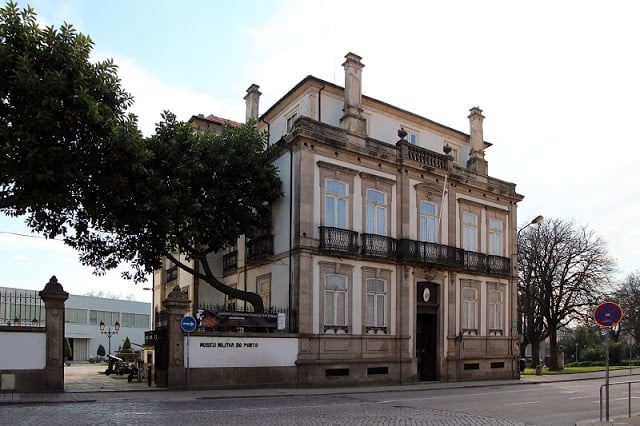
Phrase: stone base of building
{"type": "Point", "coordinates": [24, 381]}
{"type": "Point", "coordinates": [242, 377]}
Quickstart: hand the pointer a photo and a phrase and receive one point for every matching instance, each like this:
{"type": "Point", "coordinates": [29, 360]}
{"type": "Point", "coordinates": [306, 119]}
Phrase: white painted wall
{"type": "Point", "coordinates": [215, 352]}
{"type": "Point", "coordinates": [22, 351]}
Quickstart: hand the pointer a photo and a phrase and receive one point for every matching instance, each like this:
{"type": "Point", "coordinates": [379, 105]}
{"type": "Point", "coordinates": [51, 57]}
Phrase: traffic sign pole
{"type": "Point", "coordinates": [188, 324]}
{"type": "Point", "coordinates": [607, 315]}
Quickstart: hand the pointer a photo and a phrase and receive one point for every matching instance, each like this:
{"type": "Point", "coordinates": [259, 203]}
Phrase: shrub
{"type": "Point", "coordinates": [67, 349]}
{"type": "Point", "coordinates": [101, 352]}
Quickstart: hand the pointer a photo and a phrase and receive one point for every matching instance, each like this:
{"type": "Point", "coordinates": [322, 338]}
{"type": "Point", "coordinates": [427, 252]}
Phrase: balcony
{"type": "Point", "coordinates": [338, 240]}
{"type": "Point", "coordinates": [434, 253]}
{"type": "Point", "coordinates": [378, 245]}
{"type": "Point", "coordinates": [230, 261]}
{"type": "Point", "coordinates": [345, 241]}
{"type": "Point", "coordinates": [260, 248]}
{"type": "Point", "coordinates": [474, 261]}
{"type": "Point", "coordinates": [171, 274]}
{"type": "Point", "coordinates": [423, 156]}
{"type": "Point", "coordinates": [498, 265]}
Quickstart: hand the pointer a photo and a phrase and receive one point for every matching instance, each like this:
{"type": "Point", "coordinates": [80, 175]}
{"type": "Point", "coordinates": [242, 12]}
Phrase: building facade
{"type": "Point", "coordinates": [82, 317]}
{"type": "Point", "coordinates": [392, 247]}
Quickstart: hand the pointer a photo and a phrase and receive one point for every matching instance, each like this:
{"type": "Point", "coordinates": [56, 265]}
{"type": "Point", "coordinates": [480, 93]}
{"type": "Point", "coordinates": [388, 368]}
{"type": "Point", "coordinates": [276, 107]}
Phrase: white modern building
{"type": "Point", "coordinates": [83, 315]}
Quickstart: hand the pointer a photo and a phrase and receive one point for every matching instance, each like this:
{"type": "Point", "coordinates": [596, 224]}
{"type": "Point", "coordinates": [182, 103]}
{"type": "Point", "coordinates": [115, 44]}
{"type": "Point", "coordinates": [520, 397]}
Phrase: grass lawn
{"type": "Point", "coordinates": [574, 370]}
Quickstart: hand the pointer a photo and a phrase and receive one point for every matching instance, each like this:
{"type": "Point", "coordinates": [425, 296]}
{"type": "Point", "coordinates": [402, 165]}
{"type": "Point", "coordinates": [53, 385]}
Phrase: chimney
{"type": "Point", "coordinates": [252, 99]}
{"type": "Point", "coordinates": [476, 162]}
{"type": "Point", "coordinates": [352, 119]}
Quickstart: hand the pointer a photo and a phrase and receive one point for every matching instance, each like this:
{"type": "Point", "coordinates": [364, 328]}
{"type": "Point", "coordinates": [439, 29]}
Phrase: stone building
{"type": "Point", "coordinates": [392, 247]}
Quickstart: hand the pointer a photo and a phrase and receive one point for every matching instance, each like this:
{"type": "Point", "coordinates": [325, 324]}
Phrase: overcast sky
{"type": "Point", "coordinates": [557, 81]}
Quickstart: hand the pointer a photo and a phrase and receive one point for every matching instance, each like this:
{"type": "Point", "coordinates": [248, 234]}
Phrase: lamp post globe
{"type": "Point", "coordinates": [109, 332]}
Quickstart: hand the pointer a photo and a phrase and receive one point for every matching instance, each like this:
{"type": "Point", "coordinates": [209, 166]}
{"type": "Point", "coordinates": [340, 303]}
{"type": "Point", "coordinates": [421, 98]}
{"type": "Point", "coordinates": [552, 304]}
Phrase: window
{"type": "Point", "coordinates": [469, 231]}
{"type": "Point", "coordinates": [109, 318]}
{"type": "Point", "coordinates": [376, 304]}
{"type": "Point", "coordinates": [142, 321]}
{"type": "Point", "coordinates": [469, 312]}
{"type": "Point", "coordinates": [495, 237]}
{"type": "Point", "coordinates": [75, 316]}
{"type": "Point", "coordinates": [428, 221]}
{"type": "Point", "coordinates": [495, 313]}
{"type": "Point", "coordinates": [128, 320]}
{"type": "Point", "coordinates": [335, 303]}
{"type": "Point", "coordinates": [376, 212]}
{"type": "Point", "coordinates": [336, 197]}
{"type": "Point", "coordinates": [263, 286]}
{"type": "Point", "coordinates": [290, 120]}
{"type": "Point", "coordinates": [412, 137]}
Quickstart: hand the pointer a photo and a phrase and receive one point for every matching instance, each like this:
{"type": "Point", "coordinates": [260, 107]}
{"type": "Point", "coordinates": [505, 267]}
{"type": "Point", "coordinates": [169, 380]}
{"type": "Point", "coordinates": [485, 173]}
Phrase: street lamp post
{"type": "Point", "coordinates": [520, 319]}
{"type": "Point", "coordinates": [109, 332]}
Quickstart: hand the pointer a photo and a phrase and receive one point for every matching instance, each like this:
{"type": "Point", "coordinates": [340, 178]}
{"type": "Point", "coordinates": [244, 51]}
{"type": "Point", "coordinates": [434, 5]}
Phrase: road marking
{"type": "Point", "coordinates": [522, 403]}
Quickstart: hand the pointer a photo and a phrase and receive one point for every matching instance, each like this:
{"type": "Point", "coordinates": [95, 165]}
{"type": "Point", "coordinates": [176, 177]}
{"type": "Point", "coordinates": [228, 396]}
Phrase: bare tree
{"type": "Point", "coordinates": [627, 295]}
{"type": "Point", "coordinates": [563, 271]}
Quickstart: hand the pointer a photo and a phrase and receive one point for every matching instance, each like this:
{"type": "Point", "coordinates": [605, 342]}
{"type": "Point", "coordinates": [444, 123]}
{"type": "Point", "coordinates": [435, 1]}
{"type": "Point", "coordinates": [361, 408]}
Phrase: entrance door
{"type": "Point", "coordinates": [426, 346]}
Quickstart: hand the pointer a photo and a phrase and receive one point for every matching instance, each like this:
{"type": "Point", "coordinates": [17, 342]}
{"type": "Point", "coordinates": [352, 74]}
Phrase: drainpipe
{"type": "Point", "coordinates": [290, 235]}
{"type": "Point", "coordinates": [320, 104]}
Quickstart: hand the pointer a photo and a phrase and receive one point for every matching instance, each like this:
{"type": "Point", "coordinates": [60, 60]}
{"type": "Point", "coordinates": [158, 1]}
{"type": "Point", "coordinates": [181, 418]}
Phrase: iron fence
{"type": "Point", "coordinates": [22, 308]}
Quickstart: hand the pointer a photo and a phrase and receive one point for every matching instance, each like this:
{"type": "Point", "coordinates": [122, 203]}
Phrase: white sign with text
{"type": "Point", "coordinates": [212, 352]}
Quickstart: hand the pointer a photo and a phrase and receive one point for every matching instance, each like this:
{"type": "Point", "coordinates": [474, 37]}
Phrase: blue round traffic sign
{"type": "Point", "coordinates": [608, 314]}
{"type": "Point", "coordinates": [188, 324]}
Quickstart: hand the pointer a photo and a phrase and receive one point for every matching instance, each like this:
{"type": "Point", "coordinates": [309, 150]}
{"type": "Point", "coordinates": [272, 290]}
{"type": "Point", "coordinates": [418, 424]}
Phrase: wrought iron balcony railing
{"type": "Point", "coordinates": [343, 240]}
{"type": "Point", "coordinates": [230, 260]}
{"type": "Point", "coordinates": [171, 274]}
{"type": "Point", "coordinates": [338, 239]}
{"type": "Point", "coordinates": [422, 251]}
{"type": "Point", "coordinates": [378, 245]}
{"type": "Point", "coordinates": [259, 248]}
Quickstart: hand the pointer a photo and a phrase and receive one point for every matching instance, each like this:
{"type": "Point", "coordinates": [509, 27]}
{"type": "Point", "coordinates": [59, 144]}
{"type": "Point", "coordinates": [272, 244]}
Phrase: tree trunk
{"type": "Point", "coordinates": [253, 299]}
{"type": "Point", "coordinates": [553, 350]}
{"type": "Point", "coordinates": [535, 354]}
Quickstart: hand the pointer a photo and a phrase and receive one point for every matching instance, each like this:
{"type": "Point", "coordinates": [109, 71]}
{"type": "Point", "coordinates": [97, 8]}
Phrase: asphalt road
{"type": "Point", "coordinates": [118, 402]}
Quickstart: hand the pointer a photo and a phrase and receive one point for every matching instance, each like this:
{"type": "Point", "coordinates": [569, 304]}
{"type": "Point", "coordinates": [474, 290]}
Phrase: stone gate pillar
{"type": "Point", "coordinates": [176, 305]}
{"type": "Point", "coordinates": [54, 297]}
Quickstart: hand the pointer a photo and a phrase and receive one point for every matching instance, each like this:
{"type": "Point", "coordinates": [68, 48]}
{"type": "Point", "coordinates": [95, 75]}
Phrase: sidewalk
{"type": "Point", "coordinates": [88, 383]}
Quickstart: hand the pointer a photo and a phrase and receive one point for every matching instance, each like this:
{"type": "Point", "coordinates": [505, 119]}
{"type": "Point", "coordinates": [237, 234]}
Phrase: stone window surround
{"type": "Point", "coordinates": [330, 268]}
{"type": "Point", "coordinates": [381, 274]}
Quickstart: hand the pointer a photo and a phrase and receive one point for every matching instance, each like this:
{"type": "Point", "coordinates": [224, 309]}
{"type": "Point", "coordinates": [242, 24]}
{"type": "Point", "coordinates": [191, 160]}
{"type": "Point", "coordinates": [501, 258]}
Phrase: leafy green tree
{"type": "Point", "coordinates": [62, 120]}
{"type": "Point", "coordinates": [101, 351]}
{"type": "Point", "coordinates": [565, 269]}
{"type": "Point", "coordinates": [66, 349]}
{"type": "Point", "coordinates": [75, 164]}
{"type": "Point", "coordinates": [191, 193]}
{"type": "Point", "coordinates": [126, 346]}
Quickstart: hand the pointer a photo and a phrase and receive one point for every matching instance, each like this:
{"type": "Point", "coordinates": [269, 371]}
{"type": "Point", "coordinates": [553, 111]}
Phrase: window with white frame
{"type": "Point", "coordinates": [376, 297]}
{"type": "Point", "coordinates": [336, 201]}
{"type": "Point", "coordinates": [469, 311]}
{"type": "Point", "coordinates": [412, 135]}
{"type": "Point", "coordinates": [495, 313]}
{"type": "Point", "coordinates": [495, 237]}
{"type": "Point", "coordinates": [428, 221]}
{"type": "Point", "coordinates": [469, 231]}
{"type": "Point", "coordinates": [263, 286]}
{"type": "Point", "coordinates": [376, 212]}
{"type": "Point", "coordinates": [335, 303]}
{"type": "Point", "coordinates": [291, 118]}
